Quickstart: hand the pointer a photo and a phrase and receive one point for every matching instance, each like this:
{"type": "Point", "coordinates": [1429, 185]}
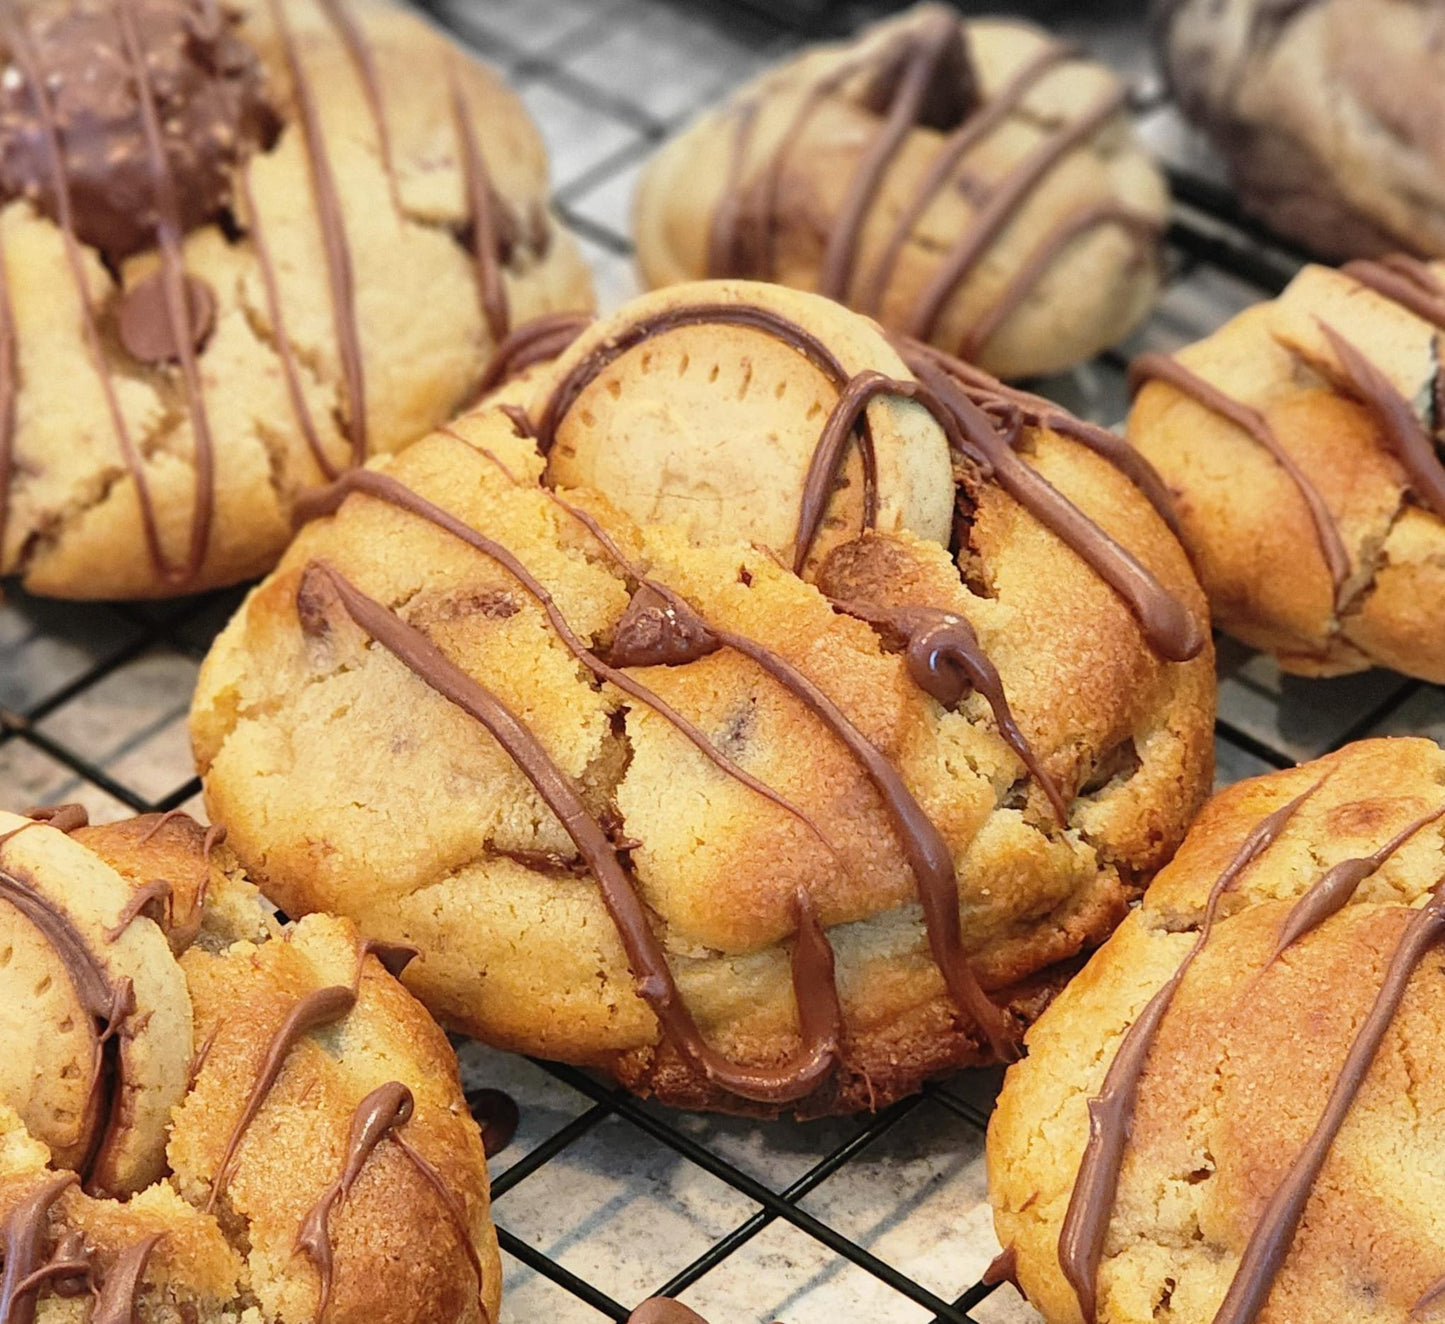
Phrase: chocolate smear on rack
{"type": "Point", "coordinates": [497, 1114]}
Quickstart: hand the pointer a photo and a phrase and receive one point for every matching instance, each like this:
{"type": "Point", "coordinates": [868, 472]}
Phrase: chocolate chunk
{"type": "Point", "coordinates": [952, 93]}
{"type": "Point", "coordinates": [654, 632]}
{"type": "Point", "coordinates": [146, 329]}
{"type": "Point", "coordinates": [209, 89]}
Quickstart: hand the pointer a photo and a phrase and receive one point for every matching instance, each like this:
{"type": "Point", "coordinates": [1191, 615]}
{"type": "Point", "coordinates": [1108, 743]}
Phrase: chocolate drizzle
{"type": "Point", "coordinates": [119, 1294]}
{"type": "Point", "coordinates": [386, 1109]}
{"type": "Point", "coordinates": [106, 1003]}
{"type": "Point", "coordinates": [333, 237]}
{"type": "Point", "coordinates": [481, 218]}
{"type": "Point", "coordinates": [68, 1270]}
{"type": "Point", "coordinates": [1159, 367]}
{"type": "Point", "coordinates": [1404, 433]}
{"type": "Point", "coordinates": [1404, 280]}
{"type": "Point", "coordinates": [946, 661]}
{"type": "Point", "coordinates": [325, 1006]}
{"type": "Point", "coordinates": [819, 1013]}
{"type": "Point", "coordinates": [24, 1234]}
{"type": "Point", "coordinates": [1338, 885]}
{"type": "Point", "coordinates": [1091, 1205]}
{"type": "Point", "coordinates": [534, 342]}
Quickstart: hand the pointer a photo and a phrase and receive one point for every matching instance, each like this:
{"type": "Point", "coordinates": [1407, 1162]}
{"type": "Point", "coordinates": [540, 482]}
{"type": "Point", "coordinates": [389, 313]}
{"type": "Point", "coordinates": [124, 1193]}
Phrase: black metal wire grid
{"type": "Point", "coordinates": [93, 700]}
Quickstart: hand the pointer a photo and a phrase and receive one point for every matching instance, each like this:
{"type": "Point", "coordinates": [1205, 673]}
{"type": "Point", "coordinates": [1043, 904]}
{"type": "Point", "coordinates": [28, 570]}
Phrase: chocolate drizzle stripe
{"type": "Point", "coordinates": [173, 278]}
{"type": "Point", "coordinates": [456, 1211]}
{"type": "Point", "coordinates": [290, 365]}
{"type": "Point", "coordinates": [155, 890]}
{"type": "Point", "coordinates": [727, 226]}
{"type": "Point", "coordinates": [1166, 622]}
{"type": "Point", "coordinates": [1096, 1187]}
{"type": "Point", "coordinates": [1138, 226]}
{"type": "Point", "coordinates": [990, 394]}
{"type": "Point", "coordinates": [23, 1236]}
{"type": "Point", "coordinates": [921, 56]}
{"type": "Point", "coordinates": [68, 1270]}
{"type": "Point", "coordinates": [827, 459]}
{"type": "Point", "coordinates": [323, 1007]}
{"type": "Point", "coordinates": [929, 857]}
{"type": "Point", "coordinates": [1428, 1298]}
{"type": "Point", "coordinates": [1338, 885]}
{"type": "Point", "coordinates": [9, 389]}
{"type": "Point", "coordinates": [1002, 207]}
{"type": "Point", "coordinates": [819, 1013]}
{"type": "Point", "coordinates": [333, 236]}
{"type": "Point", "coordinates": [359, 51]}
{"type": "Point", "coordinates": [14, 35]}
{"type": "Point", "coordinates": [481, 206]}
{"type": "Point", "coordinates": [1161, 368]}
{"type": "Point", "coordinates": [537, 341]}
{"type": "Point", "coordinates": [385, 488]}
{"type": "Point", "coordinates": [1404, 433]}
{"type": "Point", "coordinates": [380, 1113]}
{"type": "Point", "coordinates": [950, 154]}
{"type": "Point", "coordinates": [119, 1293]}
{"type": "Point", "coordinates": [1414, 286]}
{"type": "Point", "coordinates": [723, 227]}
{"type": "Point", "coordinates": [1273, 1234]}
{"type": "Point", "coordinates": [946, 660]}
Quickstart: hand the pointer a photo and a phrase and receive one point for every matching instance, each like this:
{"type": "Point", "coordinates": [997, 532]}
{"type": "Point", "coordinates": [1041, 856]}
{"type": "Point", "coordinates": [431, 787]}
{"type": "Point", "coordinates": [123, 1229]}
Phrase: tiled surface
{"type": "Point", "coordinates": [601, 1199]}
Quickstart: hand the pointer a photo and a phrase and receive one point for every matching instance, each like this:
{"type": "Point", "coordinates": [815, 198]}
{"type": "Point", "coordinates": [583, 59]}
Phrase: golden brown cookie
{"type": "Point", "coordinates": [971, 183]}
{"type": "Point", "coordinates": [746, 838]}
{"type": "Point", "coordinates": [1231, 1114]}
{"type": "Point", "coordinates": [1327, 112]}
{"type": "Point", "coordinates": [207, 1117]}
{"type": "Point", "coordinates": [210, 277]}
{"type": "Point", "coordinates": [1299, 443]}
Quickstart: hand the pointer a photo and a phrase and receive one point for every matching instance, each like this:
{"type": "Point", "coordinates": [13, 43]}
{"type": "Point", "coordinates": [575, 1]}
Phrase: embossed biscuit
{"type": "Point", "coordinates": [1300, 443]}
{"type": "Point", "coordinates": [210, 282]}
{"type": "Point", "coordinates": [650, 800]}
{"type": "Point", "coordinates": [274, 1124]}
{"type": "Point", "coordinates": [972, 183]}
{"type": "Point", "coordinates": [1252, 1047]}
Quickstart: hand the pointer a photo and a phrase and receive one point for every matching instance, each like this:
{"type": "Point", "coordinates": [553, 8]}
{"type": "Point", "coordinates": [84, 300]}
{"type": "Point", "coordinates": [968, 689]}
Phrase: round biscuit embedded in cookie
{"type": "Point", "coordinates": [702, 405]}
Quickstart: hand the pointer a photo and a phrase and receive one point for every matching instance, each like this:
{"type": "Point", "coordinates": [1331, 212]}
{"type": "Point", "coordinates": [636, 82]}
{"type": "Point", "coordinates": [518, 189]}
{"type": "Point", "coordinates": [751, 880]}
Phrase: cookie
{"type": "Point", "coordinates": [1299, 442]}
{"type": "Point", "coordinates": [651, 800]}
{"type": "Point", "coordinates": [1226, 1116]}
{"type": "Point", "coordinates": [971, 183]}
{"type": "Point", "coordinates": [208, 277]}
{"type": "Point", "coordinates": [206, 1116]}
{"type": "Point", "coordinates": [1325, 111]}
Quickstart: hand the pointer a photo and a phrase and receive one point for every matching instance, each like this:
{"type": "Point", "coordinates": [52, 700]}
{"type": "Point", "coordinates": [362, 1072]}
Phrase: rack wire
{"type": "Point", "coordinates": [93, 702]}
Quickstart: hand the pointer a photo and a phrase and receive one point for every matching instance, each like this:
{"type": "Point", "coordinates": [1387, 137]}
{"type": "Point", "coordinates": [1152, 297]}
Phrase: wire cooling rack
{"type": "Point", "coordinates": [603, 1199]}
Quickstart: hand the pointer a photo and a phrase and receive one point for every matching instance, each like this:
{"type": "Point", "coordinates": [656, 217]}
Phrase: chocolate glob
{"type": "Point", "coordinates": [70, 82]}
{"type": "Point", "coordinates": [654, 632]}
{"type": "Point", "coordinates": [931, 66]}
{"type": "Point", "coordinates": [145, 325]}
